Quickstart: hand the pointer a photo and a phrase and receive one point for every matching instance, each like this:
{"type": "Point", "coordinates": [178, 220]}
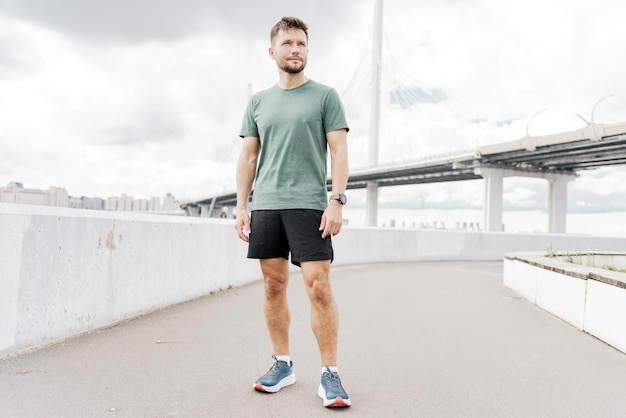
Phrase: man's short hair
{"type": "Point", "coordinates": [288, 22]}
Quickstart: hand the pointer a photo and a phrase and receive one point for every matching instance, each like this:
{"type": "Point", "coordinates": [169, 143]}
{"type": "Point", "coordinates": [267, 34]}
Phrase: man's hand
{"type": "Point", "coordinates": [332, 219]}
{"type": "Point", "coordinates": [242, 225]}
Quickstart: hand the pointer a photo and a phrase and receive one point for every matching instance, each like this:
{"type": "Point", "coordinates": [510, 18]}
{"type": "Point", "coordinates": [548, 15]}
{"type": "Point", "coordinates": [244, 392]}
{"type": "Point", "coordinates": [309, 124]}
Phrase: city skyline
{"type": "Point", "coordinates": [15, 192]}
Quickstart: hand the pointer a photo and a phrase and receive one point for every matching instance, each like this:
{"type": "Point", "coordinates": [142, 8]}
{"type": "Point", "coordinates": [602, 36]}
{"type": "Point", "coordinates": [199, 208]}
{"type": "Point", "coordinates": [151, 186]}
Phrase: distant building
{"type": "Point", "coordinates": [170, 204]}
{"type": "Point", "coordinates": [15, 192]}
{"type": "Point", "coordinates": [120, 204]}
{"type": "Point", "coordinates": [126, 203]}
{"type": "Point", "coordinates": [83, 202]}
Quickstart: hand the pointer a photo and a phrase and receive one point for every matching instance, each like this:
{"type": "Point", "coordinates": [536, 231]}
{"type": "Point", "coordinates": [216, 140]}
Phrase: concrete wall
{"type": "Point", "coordinates": [590, 298]}
{"type": "Point", "coordinates": [68, 271]}
{"type": "Point", "coordinates": [364, 245]}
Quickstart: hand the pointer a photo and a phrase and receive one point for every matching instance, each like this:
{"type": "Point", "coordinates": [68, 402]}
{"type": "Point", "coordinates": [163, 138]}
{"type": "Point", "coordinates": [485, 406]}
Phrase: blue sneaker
{"type": "Point", "coordinates": [332, 392]}
{"type": "Point", "coordinates": [277, 377]}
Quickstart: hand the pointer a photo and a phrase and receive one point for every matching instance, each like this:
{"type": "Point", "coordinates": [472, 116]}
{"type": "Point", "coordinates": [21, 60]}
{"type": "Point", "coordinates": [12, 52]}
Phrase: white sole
{"type": "Point", "coordinates": [333, 403]}
{"type": "Point", "coordinates": [289, 380]}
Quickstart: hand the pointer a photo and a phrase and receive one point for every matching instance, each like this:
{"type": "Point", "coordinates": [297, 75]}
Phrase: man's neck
{"type": "Point", "coordinates": [291, 81]}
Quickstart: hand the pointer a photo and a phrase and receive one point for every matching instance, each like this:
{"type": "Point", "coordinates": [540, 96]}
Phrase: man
{"type": "Point", "coordinates": [286, 131]}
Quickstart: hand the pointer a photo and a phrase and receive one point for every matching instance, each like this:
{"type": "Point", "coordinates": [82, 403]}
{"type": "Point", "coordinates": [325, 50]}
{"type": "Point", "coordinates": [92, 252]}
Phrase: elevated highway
{"type": "Point", "coordinates": [556, 158]}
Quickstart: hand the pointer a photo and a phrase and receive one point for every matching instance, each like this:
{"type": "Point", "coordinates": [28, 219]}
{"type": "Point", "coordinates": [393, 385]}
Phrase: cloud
{"type": "Point", "coordinates": [524, 55]}
{"type": "Point", "coordinates": [406, 97]}
{"type": "Point", "coordinates": [116, 22]}
{"type": "Point", "coordinates": [80, 75]}
{"type": "Point", "coordinates": [137, 21]}
{"type": "Point", "coordinates": [70, 97]}
{"type": "Point", "coordinates": [146, 97]}
{"type": "Point", "coordinates": [598, 191]}
{"type": "Point", "coordinates": [519, 197]}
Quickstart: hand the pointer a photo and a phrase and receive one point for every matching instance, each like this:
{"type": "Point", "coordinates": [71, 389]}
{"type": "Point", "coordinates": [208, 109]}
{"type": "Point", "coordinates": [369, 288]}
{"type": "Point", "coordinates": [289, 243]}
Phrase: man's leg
{"type": "Point", "coordinates": [325, 324]}
{"type": "Point", "coordinates": [276, 277]}
{"type": "Point", "coordinates": [324, 314]}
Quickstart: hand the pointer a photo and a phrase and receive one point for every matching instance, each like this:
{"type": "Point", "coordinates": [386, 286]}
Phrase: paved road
{"type": "Point", "coordinates": [429, 339]}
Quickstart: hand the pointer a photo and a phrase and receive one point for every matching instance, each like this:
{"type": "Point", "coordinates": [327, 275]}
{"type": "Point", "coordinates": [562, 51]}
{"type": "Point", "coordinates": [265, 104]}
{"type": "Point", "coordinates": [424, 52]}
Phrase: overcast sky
{"type": "Point", "coordinates": [146, 97]}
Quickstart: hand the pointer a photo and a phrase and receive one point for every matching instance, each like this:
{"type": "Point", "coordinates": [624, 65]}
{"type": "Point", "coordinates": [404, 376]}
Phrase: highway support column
{"type": "Point", "coordinates": [493, 198]}
{"type": "Point", "coordinates": [557, 219]}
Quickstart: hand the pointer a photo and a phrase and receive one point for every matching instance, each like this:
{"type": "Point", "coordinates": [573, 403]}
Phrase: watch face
{"type": "Point", "coordinates": [340, 197]}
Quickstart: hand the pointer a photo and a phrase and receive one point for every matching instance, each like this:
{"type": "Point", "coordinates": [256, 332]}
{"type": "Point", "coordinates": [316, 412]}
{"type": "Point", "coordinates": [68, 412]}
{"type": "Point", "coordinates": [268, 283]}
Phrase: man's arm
{"type": "Point", "coordinates": [246, 170]}
{"type": "Point", "coordinates": [332, 219]}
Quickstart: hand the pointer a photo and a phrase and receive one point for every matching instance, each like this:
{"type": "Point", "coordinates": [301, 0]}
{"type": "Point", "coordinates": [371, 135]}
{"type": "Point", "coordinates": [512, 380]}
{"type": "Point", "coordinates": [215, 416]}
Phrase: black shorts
{"type": "Point", "coordinates": [276, 233]}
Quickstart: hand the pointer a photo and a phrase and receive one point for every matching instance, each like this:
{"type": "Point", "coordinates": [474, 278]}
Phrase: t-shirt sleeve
{"type": "Point", "coordinates": [334, 114]}
{"type": "Point", "coordinates": [248, 125]}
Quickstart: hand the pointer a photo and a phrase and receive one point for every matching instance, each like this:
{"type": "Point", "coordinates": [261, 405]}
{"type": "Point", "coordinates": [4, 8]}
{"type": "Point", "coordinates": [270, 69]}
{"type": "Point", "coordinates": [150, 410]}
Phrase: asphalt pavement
{"type": "Point", "coordinates": [424, 339]}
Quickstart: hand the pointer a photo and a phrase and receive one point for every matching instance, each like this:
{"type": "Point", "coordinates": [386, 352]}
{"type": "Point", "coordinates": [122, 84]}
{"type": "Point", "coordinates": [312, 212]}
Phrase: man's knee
{"type": "Point", "coordinates": [316, 277]}
{"type": "Point", "coordinates": [321, 292]}
{"type": "Point", "coordinates": [275, 276]}
{"type": "Point", "coordinates": [275, 286]}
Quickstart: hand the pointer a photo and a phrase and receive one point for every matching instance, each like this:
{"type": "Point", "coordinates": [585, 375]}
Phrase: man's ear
{"type": "Point", "coordinates": [270, 51]}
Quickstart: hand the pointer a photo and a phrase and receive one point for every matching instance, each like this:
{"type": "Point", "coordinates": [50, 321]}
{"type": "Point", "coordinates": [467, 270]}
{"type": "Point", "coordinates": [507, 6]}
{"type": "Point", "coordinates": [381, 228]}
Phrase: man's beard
{"type": "Point", "coordinates": [288, 68]}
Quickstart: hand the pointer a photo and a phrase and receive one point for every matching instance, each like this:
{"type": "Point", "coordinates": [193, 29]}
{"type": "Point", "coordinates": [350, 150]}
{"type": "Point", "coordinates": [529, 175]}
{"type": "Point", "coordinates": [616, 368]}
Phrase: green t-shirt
{"type": "Point", "coordinates": [291, 126]}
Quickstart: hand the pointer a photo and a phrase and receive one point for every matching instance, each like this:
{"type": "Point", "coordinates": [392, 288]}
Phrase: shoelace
{"type": "Point", "coordinates": [333, 379]}
{"type": "Point", "coordinates": [275, 367]}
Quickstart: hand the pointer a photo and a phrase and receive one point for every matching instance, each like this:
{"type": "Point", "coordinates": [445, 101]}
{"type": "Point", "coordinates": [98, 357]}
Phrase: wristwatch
{"type": "Point", "coordinates": [340, 197]}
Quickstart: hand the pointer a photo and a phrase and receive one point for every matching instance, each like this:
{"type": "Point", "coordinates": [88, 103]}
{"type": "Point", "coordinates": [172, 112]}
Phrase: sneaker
{"type": "Point", "coordinates": [332, 392]}
{"type": "Point", "coordinates": [277, 377]}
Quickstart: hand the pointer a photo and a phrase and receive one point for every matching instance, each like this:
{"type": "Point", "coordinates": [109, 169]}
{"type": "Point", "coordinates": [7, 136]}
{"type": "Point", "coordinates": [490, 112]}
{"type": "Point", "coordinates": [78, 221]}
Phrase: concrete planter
{"type": "Point", "coordinates": [575, 288]}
